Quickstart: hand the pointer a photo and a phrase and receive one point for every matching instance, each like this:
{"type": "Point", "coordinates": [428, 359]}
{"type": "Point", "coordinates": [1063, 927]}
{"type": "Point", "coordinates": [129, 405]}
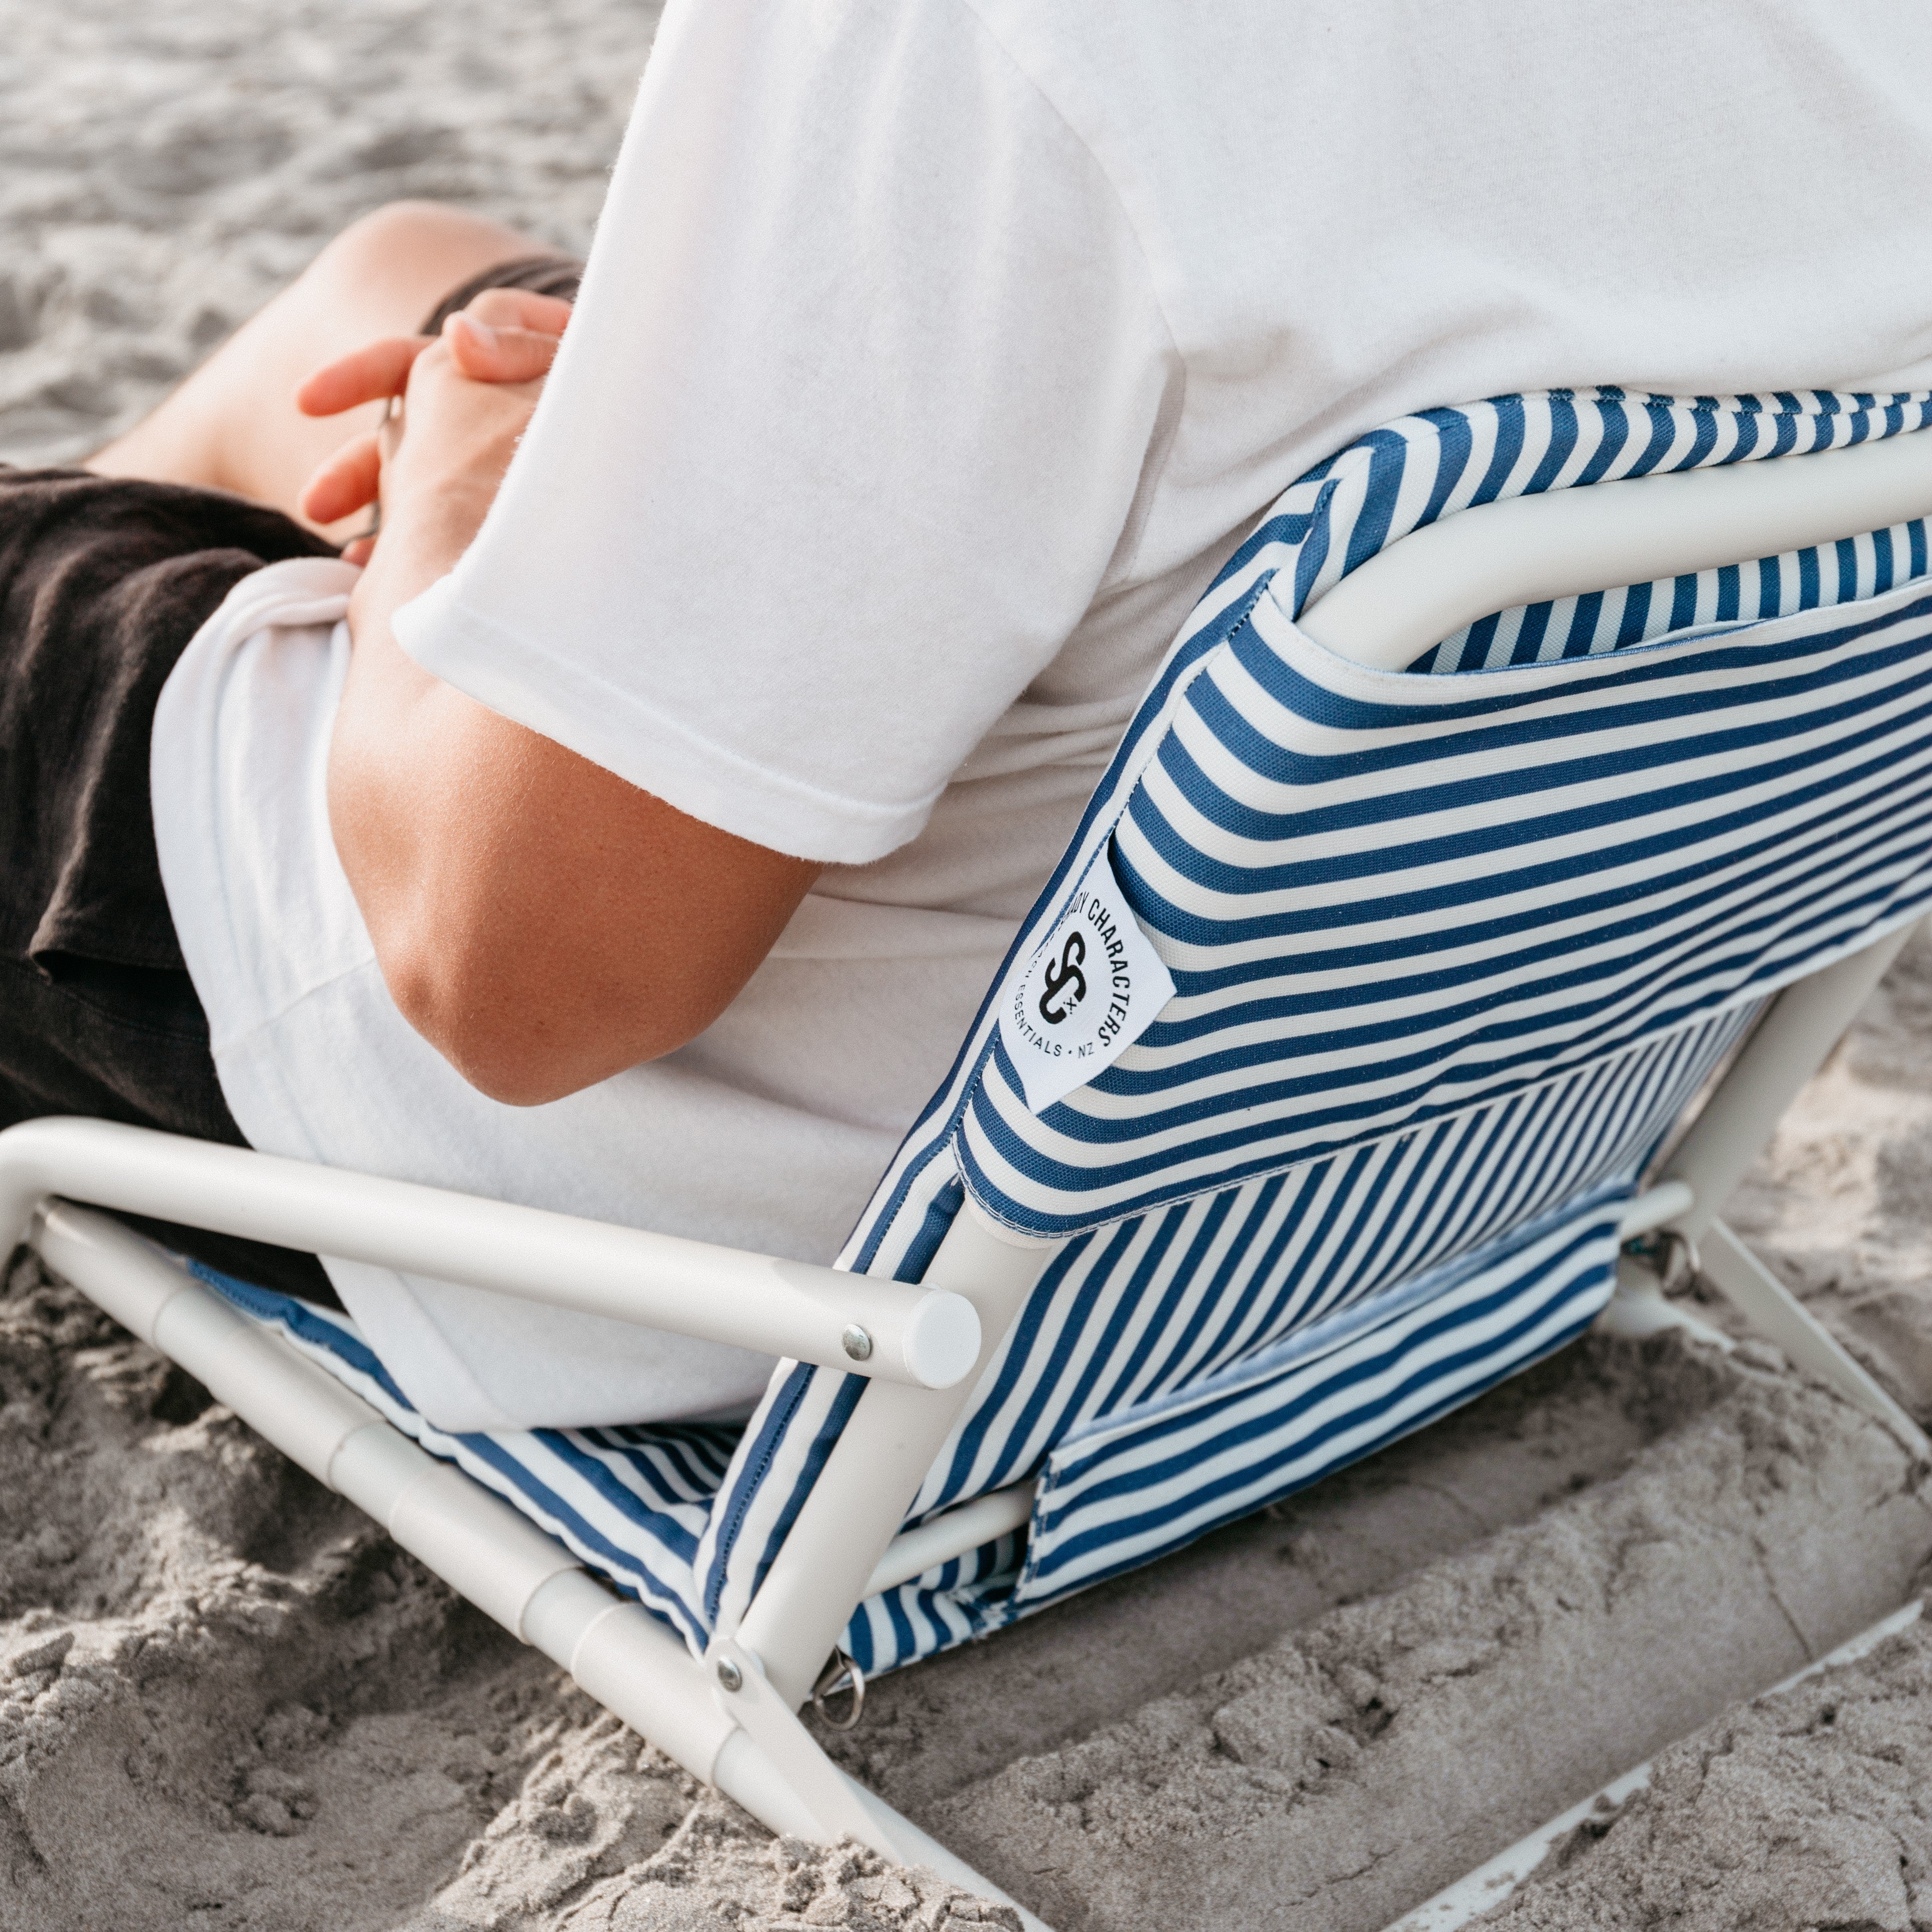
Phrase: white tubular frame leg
{"type": "Point", "coordinates": [1777, 1314]}
{"type": "Point", "coordinates": [483, 1548]}
{"type": "Point", "coordinates": [1794, 1039]}
{"type": "Point", "coordinates": [868, 1481]}
{"type": "Point", "coordinates": [1791, 1043]}
{"type": "Point", "coordinates": [922, 1337]}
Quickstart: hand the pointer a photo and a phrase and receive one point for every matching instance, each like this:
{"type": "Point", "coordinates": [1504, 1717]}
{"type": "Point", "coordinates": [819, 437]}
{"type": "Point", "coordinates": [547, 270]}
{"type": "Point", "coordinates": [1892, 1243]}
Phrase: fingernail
{"type": "Point", "coordinates": [485, 335]}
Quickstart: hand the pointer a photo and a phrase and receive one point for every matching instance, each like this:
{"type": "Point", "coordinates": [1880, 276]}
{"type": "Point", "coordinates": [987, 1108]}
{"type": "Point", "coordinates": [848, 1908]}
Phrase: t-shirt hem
{"type": "Point", "coordinates": [522, 681]}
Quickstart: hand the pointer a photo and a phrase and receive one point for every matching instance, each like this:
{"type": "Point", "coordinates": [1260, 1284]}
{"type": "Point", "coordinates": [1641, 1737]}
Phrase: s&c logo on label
{"type": "Point", "coordinates": [1068, 973]}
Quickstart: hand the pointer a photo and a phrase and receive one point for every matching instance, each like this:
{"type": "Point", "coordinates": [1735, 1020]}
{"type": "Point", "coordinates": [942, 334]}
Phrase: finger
{"type": "Point", "coordinates": [347, 480]}
{"type": "Point", "coordinates": [365, 375]}
{"type": "Point", "coordinates": [488, 355]}
{"type": "Point", "coordinates": [359, 551]}
{"type": "Point", "coordinates": [521, 308]}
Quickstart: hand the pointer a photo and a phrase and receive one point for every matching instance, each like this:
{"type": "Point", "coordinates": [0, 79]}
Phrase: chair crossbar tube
{"type": "Point", "coordinates": [1563, 543]}
{"type": "Point", "coordinates": [919, 1337]}
{"type": "Point", "coordinates": [1788, 1044]}
{"type": "Point", "coordinates": [1653, 1208]}
{"type": "Point", "coordinates": [957, 1533]}
{"type": "Point", "coordinates": [874, 1470]}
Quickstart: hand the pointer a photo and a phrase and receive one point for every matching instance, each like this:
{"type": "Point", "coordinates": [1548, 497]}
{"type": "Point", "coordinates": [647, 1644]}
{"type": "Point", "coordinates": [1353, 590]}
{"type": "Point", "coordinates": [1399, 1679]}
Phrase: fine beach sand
{"type": "Point", "coordinates": [226, 1701]}
{"type": "Point", "coordinates": [1807, 1808]}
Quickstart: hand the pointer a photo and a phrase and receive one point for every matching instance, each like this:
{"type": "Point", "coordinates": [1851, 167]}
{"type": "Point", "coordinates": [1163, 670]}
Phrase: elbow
{"type": "Point", "coordinates": [509, 1078]}
{"type": "Point", "coordinates": [456, 1009]}
{"type": "Point", "coordinates": [540, 931]}
{"type": "Point", "coordinates": [520, 1044]}
{"type": "Point", "coordinates": [472, 1021]}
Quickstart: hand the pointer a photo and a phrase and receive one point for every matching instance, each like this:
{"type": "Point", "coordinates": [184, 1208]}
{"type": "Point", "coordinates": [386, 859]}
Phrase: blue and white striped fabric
{"type": "Point", "coordinates": [1451, 954]}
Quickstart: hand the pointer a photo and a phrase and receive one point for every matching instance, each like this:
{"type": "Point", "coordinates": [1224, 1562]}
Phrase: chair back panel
{"type": "Point", "coordinates": [1451, 953]}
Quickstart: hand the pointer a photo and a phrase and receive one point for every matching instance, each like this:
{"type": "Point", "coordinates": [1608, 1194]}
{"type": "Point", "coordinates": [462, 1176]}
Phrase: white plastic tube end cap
{"type": "Point", "coordinates": [942, 1338]}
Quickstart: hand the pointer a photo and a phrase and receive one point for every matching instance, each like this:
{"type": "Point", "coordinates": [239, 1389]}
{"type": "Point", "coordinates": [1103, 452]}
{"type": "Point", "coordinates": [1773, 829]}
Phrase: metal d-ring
{"type": "Point", "coordinates": [840, 1672]}
{"type": "Point", "coordinates": [1670, 1255]}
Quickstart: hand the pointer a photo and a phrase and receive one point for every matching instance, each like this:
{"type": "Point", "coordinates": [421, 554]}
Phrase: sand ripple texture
{"type": "Point", "coordinates": [226, 1701]}
{"type": "Point", "coordinates": [1812, 1802]}
{"type": "Point", "coordinates": [163, 170]}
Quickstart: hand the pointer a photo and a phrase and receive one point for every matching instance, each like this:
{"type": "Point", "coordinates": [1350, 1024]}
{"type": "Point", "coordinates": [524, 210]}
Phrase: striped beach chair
{"type": "Point", "coordinates": [1540, 773]}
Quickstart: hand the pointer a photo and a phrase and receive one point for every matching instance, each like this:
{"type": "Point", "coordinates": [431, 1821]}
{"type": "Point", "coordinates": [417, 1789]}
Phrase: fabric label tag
{"type": "Point", "coordinates": [1088, 993]}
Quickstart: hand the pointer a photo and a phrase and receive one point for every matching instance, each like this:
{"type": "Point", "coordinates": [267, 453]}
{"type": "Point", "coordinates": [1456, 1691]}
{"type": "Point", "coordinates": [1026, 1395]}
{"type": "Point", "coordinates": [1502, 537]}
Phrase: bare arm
{"type": "Point", "coordinates": [542, 922]}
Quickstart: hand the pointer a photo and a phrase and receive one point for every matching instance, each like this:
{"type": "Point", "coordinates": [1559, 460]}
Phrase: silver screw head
{"type": "Point", "coordinates": [730, 1675]}
{"type": "Point", "coordinates": [857, 1343]}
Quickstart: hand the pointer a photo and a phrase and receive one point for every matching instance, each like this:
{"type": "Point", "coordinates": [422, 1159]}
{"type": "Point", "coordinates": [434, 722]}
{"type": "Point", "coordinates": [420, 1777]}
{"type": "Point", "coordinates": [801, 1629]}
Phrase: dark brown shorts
{"type": "Point", "coordinates": [103, 582]}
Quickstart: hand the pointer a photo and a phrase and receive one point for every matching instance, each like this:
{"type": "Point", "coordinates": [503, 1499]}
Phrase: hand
{"type": "Point", "coordinates": [507, 338]}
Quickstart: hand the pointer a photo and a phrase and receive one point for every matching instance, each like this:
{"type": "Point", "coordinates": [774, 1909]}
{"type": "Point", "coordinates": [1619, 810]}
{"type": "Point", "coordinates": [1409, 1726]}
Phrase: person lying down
{"type": "Point", "coordinates": [632, 824]}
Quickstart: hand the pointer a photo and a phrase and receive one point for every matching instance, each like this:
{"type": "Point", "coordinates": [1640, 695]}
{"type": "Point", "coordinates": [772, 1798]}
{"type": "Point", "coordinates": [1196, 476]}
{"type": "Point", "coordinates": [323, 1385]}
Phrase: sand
{"type": "Point", "coordinates": [163, 170]}
{"type": "Point", "coordinates": [226, 1701]}
{"type": "Point", "coordinates": [1806, 1808]}
{"type": "Point", "coordinates": [1357, 1766]}
{"type": "Point", "coordinates": [220, 1690]}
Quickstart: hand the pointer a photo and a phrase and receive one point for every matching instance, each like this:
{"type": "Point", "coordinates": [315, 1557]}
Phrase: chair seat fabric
{"type": "Point", "coordinates": [1452, 953]}
{"type": "Point", "coordinates": [632, 1503]}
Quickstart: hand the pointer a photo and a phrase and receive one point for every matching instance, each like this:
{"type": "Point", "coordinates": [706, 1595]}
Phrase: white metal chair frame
{"type": "Point", "coordinates": [731, 1720]}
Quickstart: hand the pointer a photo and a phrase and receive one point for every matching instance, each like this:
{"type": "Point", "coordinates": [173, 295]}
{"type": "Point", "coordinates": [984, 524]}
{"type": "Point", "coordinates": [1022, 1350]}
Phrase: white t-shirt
{"type": "Point", "coordinates": [931, 358]}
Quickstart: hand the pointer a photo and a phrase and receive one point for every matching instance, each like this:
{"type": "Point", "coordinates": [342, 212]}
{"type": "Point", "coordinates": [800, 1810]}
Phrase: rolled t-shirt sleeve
{"type": "Point", "coordinates": [843, 436]}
